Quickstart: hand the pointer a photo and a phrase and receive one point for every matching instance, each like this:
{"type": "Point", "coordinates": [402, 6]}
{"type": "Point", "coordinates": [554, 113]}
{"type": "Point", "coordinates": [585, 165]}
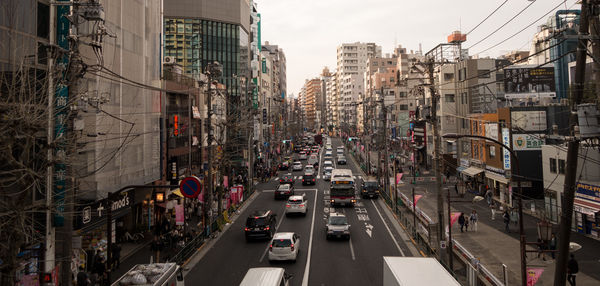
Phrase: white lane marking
{"type": "Point", "coordinates": [267, 191]}
{"type": "Point", "coordinates": [312, 227]}
{"type": "Point", "coordinates": [278, 224]}
{"type": "Point", "coordinates": [351, 249]}
{"type": "Point", "coordinates": [369, 229]}
{"type": "Point", "coordinates": [388, 229]}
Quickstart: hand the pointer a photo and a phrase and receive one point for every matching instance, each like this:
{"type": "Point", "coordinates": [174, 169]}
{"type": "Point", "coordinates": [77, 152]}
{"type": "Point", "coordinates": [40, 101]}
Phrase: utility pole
{"type": "Point", "coordinates": [572, 152]}
{"type": "Point", "coordinates": [50, 243]}
{"type": "Point", "coordinates": [436, 156]}
{"type": "Point", "coordinates": [594, 26]}
{"type": "Point", "coordinates": [385, 149]}
{"type": "Point", "coordinates": [213, 72]}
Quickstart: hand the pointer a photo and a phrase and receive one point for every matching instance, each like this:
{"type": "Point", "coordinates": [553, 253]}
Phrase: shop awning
{"type": "Point", "coordinates": [460, 168]}
{"type": "Point", "coordinates": [496, 177]}
{"type": "Point", "coordinates": [586, 207]}
{"type": "Point", "coordinates": [472, 171]}
{"type": "Point", "coordinates": [177, 192]}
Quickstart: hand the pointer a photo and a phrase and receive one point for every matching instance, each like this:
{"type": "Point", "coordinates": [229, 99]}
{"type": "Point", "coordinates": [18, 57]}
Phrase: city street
{"type": "Point", "coordinates": [357, 261]}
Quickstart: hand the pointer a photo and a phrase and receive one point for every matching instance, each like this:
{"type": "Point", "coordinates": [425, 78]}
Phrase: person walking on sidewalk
{"type": "Point", "coordinates": [473, 218]}
{"type": "Point", "coordinates": [506, 218]}
{"type": "Point", "coordinates": [552, 245]}
{"type": "Point", "coordinates": [572, 269]}
{"type": "Point", "coordinates": [493, 210]}
{"type": "Point", "coordinates": [461, 221]}
{"type": "Point", "coordinates": [466, 223]}
{"type": "Point", "coordinates": [489, 196]}
{"type": "Point", "coordinates": [116, 253]}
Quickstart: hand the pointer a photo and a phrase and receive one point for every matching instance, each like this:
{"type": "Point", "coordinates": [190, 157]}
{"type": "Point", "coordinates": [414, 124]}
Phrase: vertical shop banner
{"type": "Point", "coordinates": [226, 182]}
{"type": "Point", "coordinates": [533, 275]}
{"type": "Point", "coordinates": [506, 153]}
{"type": "Point", "coordinates": [179, 216]}
{"type": "Point", "coordinates": [60, 120]}
{"type": "Point", "coordinates": [454, 217]}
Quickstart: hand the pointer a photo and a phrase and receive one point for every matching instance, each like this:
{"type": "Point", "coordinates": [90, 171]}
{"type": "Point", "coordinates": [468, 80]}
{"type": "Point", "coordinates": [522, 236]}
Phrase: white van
{"type": "Point", "coordinates": [266, 276]}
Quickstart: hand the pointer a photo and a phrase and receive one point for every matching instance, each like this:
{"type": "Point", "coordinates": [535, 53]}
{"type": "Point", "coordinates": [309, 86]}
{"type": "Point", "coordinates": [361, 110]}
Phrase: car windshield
{"type": "Point", "coordinates": [338, 220]}
{"type": "Point", "coordinates": [295, 201]}
{"type": "Point", "coordinates": [282, 243]}
{"type": "Point", "coordinates": [252, 221]}
{"type": "Point", "coordinates": [371, 184]}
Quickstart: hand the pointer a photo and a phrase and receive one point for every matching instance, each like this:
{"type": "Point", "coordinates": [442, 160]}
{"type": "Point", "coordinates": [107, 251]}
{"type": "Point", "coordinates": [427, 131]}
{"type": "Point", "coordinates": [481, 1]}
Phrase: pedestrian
{"type": "Point", "coordinates": [506, 218]}
{"type": "Point", "coordinates": [100, 270]}
{"type": "Point", "coordinates": [456, 188]}
{"type": "Point", "coordinates": [572, 269]}
{"type": "Point", "coordinates": [493, 210]}
{"type": "Point", "coordinates": [466, 223]}
{"type": "Point", "coordinates": [552, 245]}
{"type": "Point", "coordinates": [541, 249]}
{"type": "Point", "coordinates": [461, 221]}
{"type": "Point", "coordinates": [82, 277]}
{"type": "Point", "coordinates": [156, 247]}
{"type": "Point", "coordinates": [489, 196]}
{"type": "Point", "coordinates": [514, 216]}
{"type": "Point", "coordinates": [116, 254]}
{"type": "Point", "coordinates": [473, 218]}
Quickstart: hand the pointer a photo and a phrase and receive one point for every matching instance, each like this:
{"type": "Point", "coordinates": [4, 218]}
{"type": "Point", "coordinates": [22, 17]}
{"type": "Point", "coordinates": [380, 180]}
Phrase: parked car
{"type": "Point", "coordinates": [287, 179]}
{"type": "Point", "coordinates": [308, 179]}
{"type": "Point", "coordinates": [284, 191]}
{"type": "Point", "coordinates": [337, 226]}
{"type": "Point", "coordinates": [260, 224]}
{"type": "Point", "coordinates": [296, 205]}
{"type": "Point", "coordinates": [297, 166]}
{"type": "Point", "coordinates": [284, 246]}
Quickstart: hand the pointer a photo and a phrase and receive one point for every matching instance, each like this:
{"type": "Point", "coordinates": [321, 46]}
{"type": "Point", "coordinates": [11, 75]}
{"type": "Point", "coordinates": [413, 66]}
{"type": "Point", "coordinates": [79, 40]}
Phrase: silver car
{"type": "Point", "coordinates": [337, 226]}
{"type": "Point", "coordinates": [327, 173]}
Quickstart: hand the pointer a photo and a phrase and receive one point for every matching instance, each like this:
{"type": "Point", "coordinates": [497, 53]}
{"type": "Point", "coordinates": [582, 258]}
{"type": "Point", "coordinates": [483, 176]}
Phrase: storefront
{"type": "Point", "coordinates": [587, 208]}
{"type": "Point", "coordinates": [496, 180]}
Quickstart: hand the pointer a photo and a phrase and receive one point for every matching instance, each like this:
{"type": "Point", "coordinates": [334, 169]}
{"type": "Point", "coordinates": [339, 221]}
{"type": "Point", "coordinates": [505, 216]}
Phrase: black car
{"type": "Point", "coordinates": [309, 179]}
{"type": "Point", "coordinates": [287, 179]}
{"type": "Point", "coordinates": [260, 224]}
{"type": "Point", "coordinates": [285, 165]}
{"type": "Point", "coordinates": [370, 188]}
{"type": "Point", "coordinates": [284, 191]}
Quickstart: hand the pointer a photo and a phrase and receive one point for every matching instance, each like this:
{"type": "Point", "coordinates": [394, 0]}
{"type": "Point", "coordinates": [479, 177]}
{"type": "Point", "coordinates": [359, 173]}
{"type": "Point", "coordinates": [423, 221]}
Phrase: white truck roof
{"type": "Point", "coordinates": [262, 276]}
{"type": "Point", "coordinates": [415, 271]}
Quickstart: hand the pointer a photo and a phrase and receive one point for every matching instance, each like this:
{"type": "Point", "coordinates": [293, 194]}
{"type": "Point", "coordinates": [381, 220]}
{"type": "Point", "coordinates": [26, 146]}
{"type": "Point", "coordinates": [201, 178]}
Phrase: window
{"type": "Point", "coordinates": [43, 20]}
{"type": "Point", "coordinates": [449, 97]}
{"type": "Point", "coordinates": [448, 76]}
{"type": "Point", "coordinates": [492, 151]}
{"type": "Point", "coordinates": [483, 73]}
{"type": "Point", "coordinates": [561, 166]}
{"type": "Point", "coordinates": [553, 165]}
{"type": "Point", "coordinates": [403, 107]}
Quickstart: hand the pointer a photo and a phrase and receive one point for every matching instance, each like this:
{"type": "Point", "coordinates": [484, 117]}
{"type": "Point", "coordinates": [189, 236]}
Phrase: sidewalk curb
{"type": "Point", "coordinates": [189, 264]}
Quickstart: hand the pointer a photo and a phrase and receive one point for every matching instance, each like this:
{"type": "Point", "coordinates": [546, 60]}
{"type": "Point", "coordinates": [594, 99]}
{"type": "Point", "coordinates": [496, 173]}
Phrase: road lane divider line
{"type": "Point", "coordinates": [312, 228]}
{"type": "Point", "coordinates": [351, 249]}
{"type": "Point", "coordinates": [278, 224]}
{"type": "Point", "coordinates": [388, 229]}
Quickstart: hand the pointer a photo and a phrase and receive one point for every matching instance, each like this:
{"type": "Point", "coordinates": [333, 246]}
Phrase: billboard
{"type": "Point", "coordinates": [529, 120]}
{"type": "Point", "coordinates": [527, 142]}
{"type": "Point", "coordinates": [529, 82]}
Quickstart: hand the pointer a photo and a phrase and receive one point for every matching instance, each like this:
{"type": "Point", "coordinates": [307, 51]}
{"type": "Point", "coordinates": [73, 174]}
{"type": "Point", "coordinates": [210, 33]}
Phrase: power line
{"type": "Point", "coordinates": [495, 10]}
{"type": "Point", "coordinates": [503, 25]}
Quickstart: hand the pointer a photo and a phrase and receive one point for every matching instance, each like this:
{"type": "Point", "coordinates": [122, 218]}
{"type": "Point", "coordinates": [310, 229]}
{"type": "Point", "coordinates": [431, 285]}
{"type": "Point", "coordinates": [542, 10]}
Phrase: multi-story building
{"type": "Point", "coordinates": [332, 94]}
{"type": "Point", "coordinates": [324, 102]}
{"type": "Point", "coordinates": [312, 94]}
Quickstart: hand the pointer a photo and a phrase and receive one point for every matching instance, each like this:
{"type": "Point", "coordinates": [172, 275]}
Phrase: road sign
{"type": "Point", "coordinates": [190, 187]}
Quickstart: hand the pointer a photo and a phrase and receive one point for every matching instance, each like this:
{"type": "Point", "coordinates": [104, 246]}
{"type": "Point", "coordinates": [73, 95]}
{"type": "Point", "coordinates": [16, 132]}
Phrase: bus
{"type": "Point", "coordinates": [342, 190]}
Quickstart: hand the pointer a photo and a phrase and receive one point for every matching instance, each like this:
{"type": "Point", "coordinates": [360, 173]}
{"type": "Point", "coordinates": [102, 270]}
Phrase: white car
{"type": "Point", "coordinates": [303, 156]}
{"type": "Point", "coordinates": [327, 163]}
{"type": "Point", "coordinates": [328, 154]}
{"type": "Point", "coordinates": [327, 173]}
{"type": "Point", "coordinates": [337, 226]}
{"type": "Point", "coordinates": [309, 170]}
{"type": "Point", "coordinates": [340, 150]}
{"type": "Point", "coordinates": [297, 166]}
{"type": "Point", "coordinates": [284, 246]}
{"type": "Point", "coordinates": [296, 205]}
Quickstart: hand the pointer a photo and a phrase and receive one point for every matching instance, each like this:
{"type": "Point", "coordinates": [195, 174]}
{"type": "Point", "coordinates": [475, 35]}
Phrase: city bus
{"type": "Point", "coordinates": [342, 190]}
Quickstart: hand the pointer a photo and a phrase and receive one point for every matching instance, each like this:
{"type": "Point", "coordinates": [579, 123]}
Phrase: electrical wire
{"type": "Point", "coordinates": [503, 25]}
{"type": "Point", "coordinates": [485, 19]}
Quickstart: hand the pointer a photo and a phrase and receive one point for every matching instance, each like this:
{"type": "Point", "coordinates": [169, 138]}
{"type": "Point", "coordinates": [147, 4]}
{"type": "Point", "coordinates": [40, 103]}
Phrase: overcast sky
{"type": "Point", "coordinates": [310, 30]}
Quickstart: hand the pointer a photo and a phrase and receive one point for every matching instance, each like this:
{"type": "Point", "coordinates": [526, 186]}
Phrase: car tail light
{"type": "Point", "coordinates": [287, 205]}
{"type": "Point", "coordinates": [313, 180]}
{"type": "Point", "coordinates": [292, 247]}
{"type": "Point", "coordinates": [301, 205]}
{"type": "Point", "coordinates": [271, 247]}
{"type": "Point", "coordinates": [246, 229]}
{"type": "Point", "coordinates": [267, 228]}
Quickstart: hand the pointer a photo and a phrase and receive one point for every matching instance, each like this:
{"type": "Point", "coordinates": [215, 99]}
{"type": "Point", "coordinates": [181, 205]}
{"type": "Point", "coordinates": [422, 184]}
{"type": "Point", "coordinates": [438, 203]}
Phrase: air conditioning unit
{"type": "Point", "coordinates": [169, 60]}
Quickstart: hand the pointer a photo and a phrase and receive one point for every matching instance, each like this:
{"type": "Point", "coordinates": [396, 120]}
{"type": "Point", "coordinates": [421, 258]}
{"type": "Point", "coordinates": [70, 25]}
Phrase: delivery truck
{"type": "Point", "coordinates": [415, 271]}
{"type": "Point", "coordinates": [154, 274]}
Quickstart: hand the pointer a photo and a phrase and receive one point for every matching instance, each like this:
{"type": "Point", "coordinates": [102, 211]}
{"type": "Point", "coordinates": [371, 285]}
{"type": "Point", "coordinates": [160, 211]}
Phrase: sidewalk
{"type": "Point", "coordinates": [494, 247]}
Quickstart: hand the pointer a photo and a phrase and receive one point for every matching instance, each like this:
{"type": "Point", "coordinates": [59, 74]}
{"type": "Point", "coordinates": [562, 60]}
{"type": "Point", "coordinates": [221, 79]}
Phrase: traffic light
{"type": "Point", "coordinates": [350, 139]}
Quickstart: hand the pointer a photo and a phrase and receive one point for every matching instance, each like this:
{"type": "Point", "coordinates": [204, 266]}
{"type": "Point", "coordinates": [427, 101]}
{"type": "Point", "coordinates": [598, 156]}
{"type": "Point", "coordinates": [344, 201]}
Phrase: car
{"type": "Point", "coordinates": [315, 149]}
{"type": "Point", "coordinates": [260, 224]}
{"type": "Point", "coordinates": [296, 205]}
{"type": "Point", "coordinates": [285, 165]}
{"type": "Point", "coordinates": [308, 179]}
{"type": "Point", "coordinates": [284, 246]}
{"type": "Point", "coordinates": [327, 163]}
{"type": "Point", "coordinates": [341, 160]}
{"type": "Point", "coordinates": [309, 169]}
{"type": "Point", "coordinates": [266, 276]}
{"type": "Point", "coordinates": [284, 191]}
{"type": "Point", "coordinates": [370, 188]}
{"type": "Point", "coordinates": [297, 166]}
{"type": "Point", "coordinates": [302, 155]}
{"type": "Point", "coordinates": [297, 149]}
{"type": "Point", "coordinates": [327, 155]}
{"type": "Point", "coordinates": [286, 179]}
{"type": "Point", "coordinates": [340, 150]}
{"type": "Point", "coordinates": [337, 226]}
{"type": "Point", "coordinates": [329, 149]}
{"type": "Point", "coordinates": [327, 173]}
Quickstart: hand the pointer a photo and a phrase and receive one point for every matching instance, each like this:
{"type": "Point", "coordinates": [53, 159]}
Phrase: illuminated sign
{"type": "Point", "coordinates": [175, 125]}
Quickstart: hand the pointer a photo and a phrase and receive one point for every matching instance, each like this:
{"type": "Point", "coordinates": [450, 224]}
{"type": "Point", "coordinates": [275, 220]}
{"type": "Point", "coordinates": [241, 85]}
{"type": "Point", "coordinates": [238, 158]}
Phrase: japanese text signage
{"type": "Point", "coordinates": [525, 142]}
{"type": "Point", "coordinates": [589, 193]}
{"type": "Point", "coordinates": [506, 153]}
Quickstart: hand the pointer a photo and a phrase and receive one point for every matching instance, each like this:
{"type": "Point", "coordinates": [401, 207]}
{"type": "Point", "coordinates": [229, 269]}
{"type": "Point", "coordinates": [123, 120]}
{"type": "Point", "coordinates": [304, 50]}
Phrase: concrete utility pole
{"type": "Point", "coordinates": [385, 146]}
{"type": "Point", "coordinates": [572, 153]}
{"type": "Point", "coordinates": [213, 71]}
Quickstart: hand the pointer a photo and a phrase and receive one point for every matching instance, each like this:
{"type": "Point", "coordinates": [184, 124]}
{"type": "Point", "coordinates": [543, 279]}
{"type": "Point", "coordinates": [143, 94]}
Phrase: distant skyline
{"type": "Point", "coordinates": [309, 31]}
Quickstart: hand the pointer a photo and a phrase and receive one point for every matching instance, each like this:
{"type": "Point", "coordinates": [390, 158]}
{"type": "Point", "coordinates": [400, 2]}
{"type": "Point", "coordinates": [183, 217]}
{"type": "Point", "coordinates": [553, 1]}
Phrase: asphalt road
{"type": "Point", "coordinates": [357, 261]}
